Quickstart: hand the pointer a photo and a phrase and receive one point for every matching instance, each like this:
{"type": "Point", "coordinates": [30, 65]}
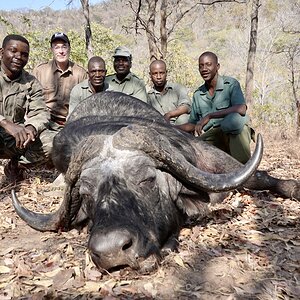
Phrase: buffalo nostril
{"type": "Point", "coordinates": [110, 243]}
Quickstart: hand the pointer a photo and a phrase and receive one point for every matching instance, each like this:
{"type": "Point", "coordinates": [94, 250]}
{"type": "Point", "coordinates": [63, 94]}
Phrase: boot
{"type": "Point", "coordinates": [13, 172]}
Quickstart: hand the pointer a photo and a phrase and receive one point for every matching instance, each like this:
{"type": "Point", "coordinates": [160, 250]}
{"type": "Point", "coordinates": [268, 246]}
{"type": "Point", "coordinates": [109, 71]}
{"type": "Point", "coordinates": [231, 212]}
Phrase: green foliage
{"type": "Point", "coordinates": [78, 52]}
{"type": "Point", "coordinates": [181, 67]}
{"type": "Point", "coordinates": [185, 35]}
{"type": "Point", "coordinates": [285, 41]}
{"type": "Point", "coordinates": [38, 50]}
{"type": "Point", "coordinates": [104, 43]}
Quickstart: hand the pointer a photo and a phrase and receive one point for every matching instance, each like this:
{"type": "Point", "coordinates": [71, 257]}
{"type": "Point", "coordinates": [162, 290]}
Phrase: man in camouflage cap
{"type": "Point", "coordinates": [123, 80]}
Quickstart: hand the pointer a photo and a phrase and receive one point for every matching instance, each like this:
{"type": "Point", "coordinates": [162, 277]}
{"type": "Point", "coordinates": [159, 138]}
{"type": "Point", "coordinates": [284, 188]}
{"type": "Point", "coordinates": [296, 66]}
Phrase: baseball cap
{"type": "Point", "coordinates": [59, 36]}
{"type": "Point", "coordinates": [122, 51]}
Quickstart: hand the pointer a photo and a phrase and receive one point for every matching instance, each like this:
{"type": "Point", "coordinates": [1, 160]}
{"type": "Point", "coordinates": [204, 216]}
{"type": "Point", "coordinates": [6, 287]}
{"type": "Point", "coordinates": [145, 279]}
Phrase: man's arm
{"type": "Point", "coordinates": [141, 93]}
{"type": "Point", "coordinates": [75, 99]}
{"type": "Point", "coordinates": [187, 127]}
{"type": "Point", "coordinates": [23, 135]}
{"type": "Point", "coordinates": [180, 110]}
{"type": "Point", "coordinates": [37, 114]}
{"type": "Point", "coordinates": [239, 108]}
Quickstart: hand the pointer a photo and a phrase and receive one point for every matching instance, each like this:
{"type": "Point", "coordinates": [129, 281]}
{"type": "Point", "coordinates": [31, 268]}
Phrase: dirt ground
{"type": "Point", "coordinates": [248, 247]}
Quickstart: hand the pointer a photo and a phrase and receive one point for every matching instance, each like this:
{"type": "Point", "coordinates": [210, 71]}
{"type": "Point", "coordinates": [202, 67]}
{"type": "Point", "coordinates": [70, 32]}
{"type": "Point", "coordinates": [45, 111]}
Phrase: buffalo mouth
{"type": "Point", "coordinates": [108, 264]}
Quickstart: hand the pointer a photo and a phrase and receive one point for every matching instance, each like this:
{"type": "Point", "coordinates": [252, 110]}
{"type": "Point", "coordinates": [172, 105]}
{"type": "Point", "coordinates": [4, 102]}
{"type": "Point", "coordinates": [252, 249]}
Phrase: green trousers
{"type": "Point", "coordinates": [233, 137]}
{"type": "Point", "coordinates": [237, 145]}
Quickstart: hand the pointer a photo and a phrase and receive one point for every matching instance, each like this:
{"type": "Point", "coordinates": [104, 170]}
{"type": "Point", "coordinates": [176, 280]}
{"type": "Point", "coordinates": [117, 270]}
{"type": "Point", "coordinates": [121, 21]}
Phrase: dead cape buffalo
{"type": "Point", "coordinates": [134, 179]}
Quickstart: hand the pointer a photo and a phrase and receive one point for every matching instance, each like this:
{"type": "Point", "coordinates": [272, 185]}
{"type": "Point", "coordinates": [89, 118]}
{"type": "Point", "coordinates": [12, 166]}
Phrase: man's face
{"type": "Point", "coordinates": [97, 72]}
{"type": "Point", "coordinates": [14, 58]}
{"type": "Point", "coordinates": [122, 65]}
{"type": "Point", "coordinates": [208, 67]}
{"type": "Point", "coordinates": [60, 51]}
{"type": "Point", "coordinates": [158, 74]}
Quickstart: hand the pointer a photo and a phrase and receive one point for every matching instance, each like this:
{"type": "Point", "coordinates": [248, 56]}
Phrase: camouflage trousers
{"type": "Point", "coordinates": [36, 153]}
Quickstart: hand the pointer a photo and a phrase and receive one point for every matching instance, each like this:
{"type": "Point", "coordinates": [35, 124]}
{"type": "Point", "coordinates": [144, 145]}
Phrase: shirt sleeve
{"type": "Point", "coordinates": [37, 113]}
{"type": "Point", "coordinates": [140, 91]}
{"type": "Point", "coordinates": [236, 94]}
{"type": "Point", "coordinates": [195, 114]}
{"type": "Point", "coordinates": [74, 99]}
{"type": "Point", "coordinates": [183, 98]}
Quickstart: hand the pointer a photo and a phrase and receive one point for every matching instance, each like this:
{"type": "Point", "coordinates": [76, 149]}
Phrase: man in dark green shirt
{"type": "Point", "coordinates": [218, 112]}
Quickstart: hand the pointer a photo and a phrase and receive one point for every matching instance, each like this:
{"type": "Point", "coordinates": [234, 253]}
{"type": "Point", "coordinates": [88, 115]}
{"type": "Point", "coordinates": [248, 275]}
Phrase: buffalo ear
{"type": "Point", "coordinates": [215, 198]}
{"type": "Point", "coordinates": [193, 204]}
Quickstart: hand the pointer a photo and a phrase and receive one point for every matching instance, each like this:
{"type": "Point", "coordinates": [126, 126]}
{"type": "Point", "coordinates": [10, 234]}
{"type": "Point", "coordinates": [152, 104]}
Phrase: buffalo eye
{"type": "Point", "coordinates": [86, 187]}
{"type": "Point", "coordinates": [147, 182]}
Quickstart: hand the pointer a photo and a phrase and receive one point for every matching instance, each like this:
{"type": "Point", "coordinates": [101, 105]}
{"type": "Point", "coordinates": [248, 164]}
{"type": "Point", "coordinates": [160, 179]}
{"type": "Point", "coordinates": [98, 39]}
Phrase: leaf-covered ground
{"type": "Point", "coordinates": [248, 247]}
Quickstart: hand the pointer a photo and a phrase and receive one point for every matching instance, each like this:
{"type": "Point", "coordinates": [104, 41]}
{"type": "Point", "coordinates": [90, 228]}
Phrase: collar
{"type": "Point", "coordinates": [91, 89]}
{"type": "Point", "coordinates": [7, 79]}
{"type": "Point", "coordinates": [167, 87]}
{"type": "Point", "coordinates": [127, 78]}
{"type": "Point", "coordinates": [56, 69]}
{"type": "Point", "coordinates": [219, 86]}
{"type": "Point", "coordinates": [220, 83]}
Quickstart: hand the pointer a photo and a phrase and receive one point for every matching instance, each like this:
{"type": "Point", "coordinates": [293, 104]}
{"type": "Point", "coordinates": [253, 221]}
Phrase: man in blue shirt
{"type": "Point", "coordinates": [218, 112]}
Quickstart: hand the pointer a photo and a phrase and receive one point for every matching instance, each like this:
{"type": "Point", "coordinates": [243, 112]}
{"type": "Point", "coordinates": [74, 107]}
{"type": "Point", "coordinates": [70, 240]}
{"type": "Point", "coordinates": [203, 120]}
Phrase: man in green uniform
{"type": "Point", "coordinates": [123, 80]}
{"type": "Point", "coordinates": [58, 77]}
{"type": "Point", "coordinates": [170, 99]}
{"type": "Point", "coordinates": [94, 84]}
{"type": "Point", "coordinates": [218, 112]}
{"type": "Point", "coordinates": [23, 112]}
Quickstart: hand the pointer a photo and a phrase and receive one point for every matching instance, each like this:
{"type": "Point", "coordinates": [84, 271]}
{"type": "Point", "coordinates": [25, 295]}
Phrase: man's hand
{"type": "Point", "coordinates": [31, 133]}
{"type": "Point", "coordinates": [23, 135]}
{"type": "Point", "coordinates": [199, 126]}
{"type": "Point", "coordinates": [168, 116]}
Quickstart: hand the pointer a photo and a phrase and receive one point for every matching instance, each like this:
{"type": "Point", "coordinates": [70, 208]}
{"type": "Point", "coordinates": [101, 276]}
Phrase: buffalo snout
{"type": "Point", "coordinates": [114, 248]}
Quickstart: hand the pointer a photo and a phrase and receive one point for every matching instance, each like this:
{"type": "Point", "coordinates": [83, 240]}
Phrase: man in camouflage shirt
{"type": "Point", "coordinates": [23, 113]}
{"type": "Point", "coordinates": [123, 80]}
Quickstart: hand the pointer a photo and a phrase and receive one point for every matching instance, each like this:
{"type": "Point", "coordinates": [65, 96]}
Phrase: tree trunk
{"type": "Point", "coordinates": [88, 31]}
{"type": "Point", "coordinates": [249, 86]}
{"type": "Point", "coordinates": [150, 29]}
{"type": "Point", "coordinates": [292, 54]}
{"type": "Point", "coordinates": [163, 29]}
{"type": "Point", "coordinates": [298, 119]}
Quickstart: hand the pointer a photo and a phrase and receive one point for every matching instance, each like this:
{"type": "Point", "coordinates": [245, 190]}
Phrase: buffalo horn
{"type": "Point", "coordinates": [159, 147]}
{"type": "Point", "coordinates": [62, 218]}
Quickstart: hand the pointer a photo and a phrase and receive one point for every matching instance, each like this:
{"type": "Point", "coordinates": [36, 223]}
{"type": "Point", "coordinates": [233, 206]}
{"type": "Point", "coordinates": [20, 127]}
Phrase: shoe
{"type": "Point", "coordinates": [13, 172]}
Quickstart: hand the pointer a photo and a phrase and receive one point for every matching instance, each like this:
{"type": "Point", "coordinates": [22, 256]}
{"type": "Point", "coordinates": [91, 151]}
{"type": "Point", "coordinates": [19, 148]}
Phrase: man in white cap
{"type": "Point", "coordinates": [123, 80]}
{"type": "Point", "coordinates": [58, 77]}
